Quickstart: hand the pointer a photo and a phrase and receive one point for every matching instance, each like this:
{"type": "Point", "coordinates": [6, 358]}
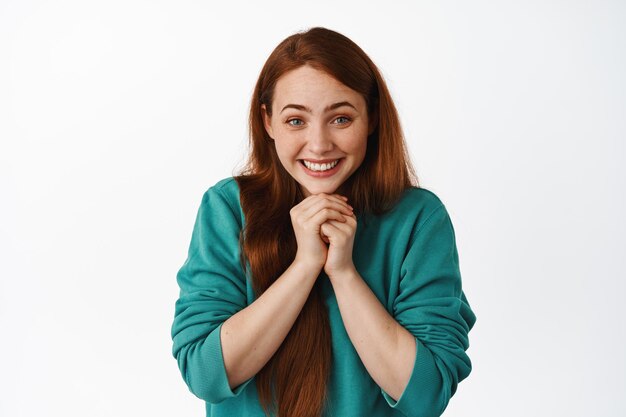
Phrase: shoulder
{"type": "Point", "coordinates": [412, 210]}
{"type": "Point", "coordinates": [227, 187]}
{"type": "Point", "coordinates": [417, 202]}
{"type": "Point", "coordinates": [421, 195]}
{"type": "Point", "coordinates": [224, 196]}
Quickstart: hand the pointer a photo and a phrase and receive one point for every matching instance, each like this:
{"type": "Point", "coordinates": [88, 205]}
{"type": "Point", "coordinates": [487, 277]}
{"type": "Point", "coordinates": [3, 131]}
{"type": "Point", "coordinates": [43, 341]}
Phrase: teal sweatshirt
{"type": "Point", "coordinates": [407, 256]}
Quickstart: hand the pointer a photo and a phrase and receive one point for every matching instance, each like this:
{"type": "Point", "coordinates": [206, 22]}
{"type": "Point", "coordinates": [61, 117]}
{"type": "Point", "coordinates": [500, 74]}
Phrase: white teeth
{"type": "Point", "coordinates": [320, 167]}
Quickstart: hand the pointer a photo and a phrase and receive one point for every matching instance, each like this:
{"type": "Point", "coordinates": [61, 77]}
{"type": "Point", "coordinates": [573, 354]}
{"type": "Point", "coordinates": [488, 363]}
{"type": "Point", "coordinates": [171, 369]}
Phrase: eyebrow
{"type": "Point", "coordinates": [328, 108]}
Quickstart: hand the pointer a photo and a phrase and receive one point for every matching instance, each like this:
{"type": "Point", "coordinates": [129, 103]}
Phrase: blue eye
{"type": "Point", "coordinates": [344, 118]}
{"type": "Point", "coordinates": [300, 122]}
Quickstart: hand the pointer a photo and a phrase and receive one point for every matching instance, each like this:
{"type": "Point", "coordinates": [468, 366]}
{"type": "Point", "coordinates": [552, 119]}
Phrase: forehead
{"type": "Point", "coordinates": [313, 88]}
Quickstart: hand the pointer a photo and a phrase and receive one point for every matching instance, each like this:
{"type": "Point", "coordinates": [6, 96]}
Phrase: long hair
{"type": "Point", "coordinates": [293, 382]}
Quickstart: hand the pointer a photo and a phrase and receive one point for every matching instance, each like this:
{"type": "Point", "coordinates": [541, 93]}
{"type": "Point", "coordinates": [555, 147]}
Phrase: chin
{"type": "Point", "coordinates": [319, 189]}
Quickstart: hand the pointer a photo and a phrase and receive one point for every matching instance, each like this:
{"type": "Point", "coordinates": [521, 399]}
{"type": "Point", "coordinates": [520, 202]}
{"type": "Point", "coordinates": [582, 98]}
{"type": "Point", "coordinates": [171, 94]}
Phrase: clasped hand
{"type": "Point", "coordinates": [324, 225]}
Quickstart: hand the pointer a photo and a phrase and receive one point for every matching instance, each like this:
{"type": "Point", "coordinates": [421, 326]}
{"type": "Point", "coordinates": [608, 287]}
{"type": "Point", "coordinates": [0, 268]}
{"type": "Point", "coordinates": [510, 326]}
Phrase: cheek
{"type": "Point", "coordinates": [358, 144]}
{"type": "Point", "coordinates": [285, 150]}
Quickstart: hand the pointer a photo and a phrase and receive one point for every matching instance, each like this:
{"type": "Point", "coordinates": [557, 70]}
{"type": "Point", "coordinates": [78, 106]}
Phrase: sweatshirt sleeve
{"type": "Point", "coordinates": [212, 288]}
{"type": "Point", "coordinates": [432, 307]}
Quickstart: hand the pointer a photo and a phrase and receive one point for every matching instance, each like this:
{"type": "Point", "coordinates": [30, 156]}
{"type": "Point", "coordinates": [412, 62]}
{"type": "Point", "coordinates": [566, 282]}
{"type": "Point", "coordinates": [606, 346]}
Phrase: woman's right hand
{"type": "Point", "coordinates": [307, 218]}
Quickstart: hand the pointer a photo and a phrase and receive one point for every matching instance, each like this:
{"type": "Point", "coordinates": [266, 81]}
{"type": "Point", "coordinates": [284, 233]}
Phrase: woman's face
{"type": "Point", "coordinates": [319, 127]}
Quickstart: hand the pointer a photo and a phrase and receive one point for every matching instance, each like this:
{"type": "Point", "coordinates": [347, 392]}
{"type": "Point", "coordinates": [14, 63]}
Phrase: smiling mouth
{"type": "Point", "coordinates": [320, 167]}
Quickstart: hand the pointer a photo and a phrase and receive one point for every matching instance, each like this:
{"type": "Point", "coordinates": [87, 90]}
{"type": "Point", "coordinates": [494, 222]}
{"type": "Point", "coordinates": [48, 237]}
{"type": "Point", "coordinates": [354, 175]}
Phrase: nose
{"type": "Point", "coordinates": [319, 141]}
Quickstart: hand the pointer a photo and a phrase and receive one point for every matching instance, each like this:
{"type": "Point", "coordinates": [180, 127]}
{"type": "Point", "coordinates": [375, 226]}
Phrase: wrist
{"type": "Point", "coordinates": [344, 276]}
{"type": "Point", "coordinates": [306, 268]}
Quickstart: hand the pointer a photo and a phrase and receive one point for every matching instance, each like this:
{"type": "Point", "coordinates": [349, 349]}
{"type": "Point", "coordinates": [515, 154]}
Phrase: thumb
{"type": "Point", "coordinates": [323, 236]}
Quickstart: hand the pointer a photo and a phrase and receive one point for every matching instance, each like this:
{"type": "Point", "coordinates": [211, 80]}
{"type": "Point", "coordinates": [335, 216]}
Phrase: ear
{"type": "Point", "coordinates": [267, 121]}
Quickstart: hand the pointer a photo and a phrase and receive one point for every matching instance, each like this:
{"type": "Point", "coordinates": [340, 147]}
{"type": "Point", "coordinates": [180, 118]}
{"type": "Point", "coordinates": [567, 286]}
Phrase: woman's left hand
{"type": "Point", "coordinates": [340, 236]}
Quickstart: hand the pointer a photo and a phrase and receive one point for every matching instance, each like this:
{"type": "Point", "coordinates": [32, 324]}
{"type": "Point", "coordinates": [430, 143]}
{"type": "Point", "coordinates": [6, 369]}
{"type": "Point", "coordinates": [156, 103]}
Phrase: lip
{"type": "Point", "coordinates": [322, 174]}
{"type": "Point", "coordinates": [320, 161]}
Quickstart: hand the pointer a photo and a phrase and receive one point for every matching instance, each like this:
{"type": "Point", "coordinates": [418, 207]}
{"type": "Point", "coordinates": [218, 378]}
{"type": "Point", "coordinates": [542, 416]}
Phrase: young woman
{"type": "Point", "coordinates": [323, 272]}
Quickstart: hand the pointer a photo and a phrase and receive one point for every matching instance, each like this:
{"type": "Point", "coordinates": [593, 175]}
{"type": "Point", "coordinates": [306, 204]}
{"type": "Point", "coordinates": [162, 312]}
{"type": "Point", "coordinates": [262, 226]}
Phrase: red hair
{"type": "Point", "coordinates": [293, 382]}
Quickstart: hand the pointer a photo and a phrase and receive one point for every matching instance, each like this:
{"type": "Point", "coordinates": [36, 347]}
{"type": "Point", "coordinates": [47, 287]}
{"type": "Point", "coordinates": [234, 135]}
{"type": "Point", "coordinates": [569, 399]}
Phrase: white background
{"type": "Point", "coordinates": [116, 116]}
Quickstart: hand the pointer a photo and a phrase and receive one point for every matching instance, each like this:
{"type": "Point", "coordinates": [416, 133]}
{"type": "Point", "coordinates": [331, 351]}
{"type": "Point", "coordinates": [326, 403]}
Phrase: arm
{"type": "Point", "coordinates": [213, 296]}
{"type": "Point", "coordinates": [252, 336]}
{"type": "Point", "coordinates": [386, 348]}
{"type": "Point", "coordinates": [430, 306]}
{"type": "Point", "coordinates": [212, 289]}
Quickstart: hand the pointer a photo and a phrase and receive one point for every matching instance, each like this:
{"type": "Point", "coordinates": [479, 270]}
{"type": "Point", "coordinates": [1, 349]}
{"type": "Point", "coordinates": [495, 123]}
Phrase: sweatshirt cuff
{"type": "Point", "coordinates": [424, 389]}
{"type": "Point", "coordinates": [217, 383]}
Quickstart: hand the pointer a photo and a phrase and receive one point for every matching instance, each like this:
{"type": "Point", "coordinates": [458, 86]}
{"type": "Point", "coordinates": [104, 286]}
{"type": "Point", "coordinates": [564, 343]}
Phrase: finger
{"type": "Point", "coordinates": [314, 203]}
{"type": "Point", "coordinates": [335, 197]}
{"type": "Point", "coordinates": [343, 227]}
{"type": "Point", "coordinates": [330, 197]}
{"type": "Point", "coordinates": [309, 201]}
{"type": "Point", "coordinates": [336, 232]}
{"type": "Point", "coordinates": [327, 229]}
{"type": "Point", "coordinates": [324, 237]}
{"type": "Point", "coordinates": [332, 203]}
{"type": "Point", "coordinates": [343, 197]}
{"type": "Point", "coordinates": [326, 214]}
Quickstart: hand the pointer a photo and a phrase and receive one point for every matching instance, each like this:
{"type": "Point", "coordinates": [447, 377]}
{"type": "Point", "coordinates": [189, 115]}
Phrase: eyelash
{"type": "Point", "coordinates": [291, 120]}
{"type": "Point", "coordinates": [339, 117]}
{"type": "Point", "coordinates": [344, 117]}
